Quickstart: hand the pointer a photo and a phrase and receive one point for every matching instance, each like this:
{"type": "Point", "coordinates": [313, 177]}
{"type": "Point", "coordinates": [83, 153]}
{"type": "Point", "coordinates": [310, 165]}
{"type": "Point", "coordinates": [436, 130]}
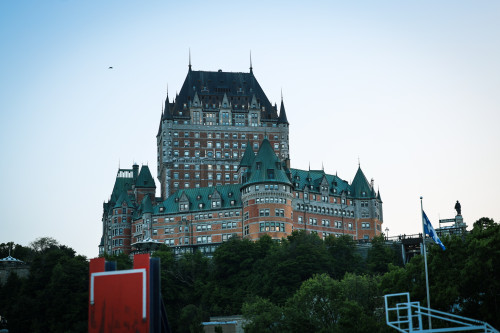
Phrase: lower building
{"type": "Point", "coordinates": [271, 198]}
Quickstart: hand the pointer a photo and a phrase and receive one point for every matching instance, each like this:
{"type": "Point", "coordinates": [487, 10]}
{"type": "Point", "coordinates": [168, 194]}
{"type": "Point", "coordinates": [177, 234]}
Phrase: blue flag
{"type": "Point", "coordinates": [429, 230]}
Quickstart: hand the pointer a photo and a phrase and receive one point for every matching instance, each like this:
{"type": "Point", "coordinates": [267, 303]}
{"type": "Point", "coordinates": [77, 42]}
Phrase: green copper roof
{"type": "Point", "coordinates": [121, 184]}
{"type": "Point", "coordinates": [146, 205]}
{"type": "Point", "coordinates": [360, 186]}
{"type": "Point", "coordinates": [248, 156]}
{"type": "Point", "coordinates": [300, 181]}
{"type": "Point", "coordinates": [266, 166]}
{"type": "Point", "coordinates": [124, 197]}
{"type": "Point", "coordinates": [145, 179]}
{"type": "Point", "coordinates": [200, 199]}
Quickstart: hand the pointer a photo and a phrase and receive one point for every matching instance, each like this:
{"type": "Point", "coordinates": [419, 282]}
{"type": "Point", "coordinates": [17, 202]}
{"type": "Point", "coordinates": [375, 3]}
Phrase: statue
{"type": "Point", "coordinates": [458, 208]}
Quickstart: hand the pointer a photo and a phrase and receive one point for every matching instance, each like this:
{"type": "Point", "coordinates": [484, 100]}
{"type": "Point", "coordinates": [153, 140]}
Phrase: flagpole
{"type": "Point", "coordinates": [425, 263]}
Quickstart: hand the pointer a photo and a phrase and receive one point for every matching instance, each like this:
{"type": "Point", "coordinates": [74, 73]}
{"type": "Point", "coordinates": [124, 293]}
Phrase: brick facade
{"type": "Point", "coordinates": [224, 171]}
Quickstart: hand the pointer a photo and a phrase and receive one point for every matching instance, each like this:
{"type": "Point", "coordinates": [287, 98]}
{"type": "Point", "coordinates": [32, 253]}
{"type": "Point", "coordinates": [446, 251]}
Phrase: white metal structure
{"type": "Point", "coordinates": [409, 317]}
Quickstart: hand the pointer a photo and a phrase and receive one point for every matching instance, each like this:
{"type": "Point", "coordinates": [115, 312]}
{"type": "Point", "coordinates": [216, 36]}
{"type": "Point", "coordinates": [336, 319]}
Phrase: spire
{"type": "Point", "coordinates": [225, 101]}
{"type": "Point", "coordinates": [167, 115]}
{"type": "Point", "coordinates": [161, 119]}
{"type": "Point", "coordinates": [190, 59]}
{"type": "Point", "coordinates": [282, 117]}
{"type": "Point", "coordinates": [145, 180]}
{"type": "Point", "coordinates": [248, 156]}
{"type": "Point", "coordinates": [251, 68]}
{"type": "Point", "coordinates": [360, 185]}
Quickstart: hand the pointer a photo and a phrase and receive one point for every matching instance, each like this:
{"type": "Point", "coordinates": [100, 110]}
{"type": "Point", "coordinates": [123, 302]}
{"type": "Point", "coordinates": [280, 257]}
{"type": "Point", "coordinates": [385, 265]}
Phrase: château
{"type": "Point", "coordinates": [224, 171]}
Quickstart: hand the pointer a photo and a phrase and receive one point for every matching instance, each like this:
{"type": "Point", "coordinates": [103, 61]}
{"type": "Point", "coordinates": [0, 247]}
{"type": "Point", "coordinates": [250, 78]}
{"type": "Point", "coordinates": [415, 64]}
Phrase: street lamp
{"type": "Point", "coordinates": [386, 233]}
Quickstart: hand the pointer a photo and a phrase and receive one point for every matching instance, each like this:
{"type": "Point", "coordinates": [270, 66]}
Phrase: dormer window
{"type": "Point", "coordinates": [270, 173]}
{"type": "Point", "coordinates": [184, 206]}
{"type": "Point", "coordinates": [216, 204]}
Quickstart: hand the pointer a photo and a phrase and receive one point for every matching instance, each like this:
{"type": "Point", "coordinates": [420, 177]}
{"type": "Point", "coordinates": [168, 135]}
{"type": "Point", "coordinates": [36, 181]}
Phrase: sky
{"type": "Point", "coordinates": [407, 89]}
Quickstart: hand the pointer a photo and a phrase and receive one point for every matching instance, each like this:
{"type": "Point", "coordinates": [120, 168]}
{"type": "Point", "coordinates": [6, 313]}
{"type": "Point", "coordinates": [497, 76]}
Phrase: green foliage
{"type": "Point", "coordinates": [190, 319]}
{"type": "Point", "coordinates": [17, 251]}
{"type": "Point", "coordinates": [463, 279]}
{"type": "Point", "coordinates": [122, 260]}
{"type": "Point", "coordinates": [342, 251]}
{"type": "Point", "coordinates": [55, 295]}
{"type": "Point", "coordinates": [262, 315]}
{"type": "Point", "coordinates": [380, 256]}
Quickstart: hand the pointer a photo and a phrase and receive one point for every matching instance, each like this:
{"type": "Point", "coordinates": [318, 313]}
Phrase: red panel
{"type": "Point", "coordinates": [97, 265]}
{"type": "Point", "coordinates": [141, 261]}
{"type": "Point", "coordinates": [119, 302]}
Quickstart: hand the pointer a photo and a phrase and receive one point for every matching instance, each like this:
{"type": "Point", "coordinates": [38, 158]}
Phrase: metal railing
{"type": "Point", "coordinates": [410, 317]}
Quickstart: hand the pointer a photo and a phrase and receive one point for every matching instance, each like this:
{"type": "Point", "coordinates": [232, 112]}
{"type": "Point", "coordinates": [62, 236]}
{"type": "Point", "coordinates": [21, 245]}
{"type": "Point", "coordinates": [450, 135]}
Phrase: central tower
{"type": "Point", "coordinates": [266, 195]}
{"type": "Point", "coordinates": [205, 130]}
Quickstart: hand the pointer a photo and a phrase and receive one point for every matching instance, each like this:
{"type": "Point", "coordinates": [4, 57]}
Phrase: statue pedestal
{"type": "Point", "coordinates": [459, 222]}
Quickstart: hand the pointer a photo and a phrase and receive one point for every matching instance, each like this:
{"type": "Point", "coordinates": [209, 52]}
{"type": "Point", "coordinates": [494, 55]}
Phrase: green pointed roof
{"type": "Point", "coordinates": [146, 205]}
{"type": "Point", "coordinates": [282, 117]}
{"type": "Point", "coordinates": [360, 185]}
{"type": "Point", "coordinates": [145, 179]}
{"type": "Point", "coordinates": [122, 183]}
{"type": "Point", "coordinates": [124, 197]}
{"type": "Point", "coordinates": [266, 166]}
{"type": "Point", "coordinates": [248, 156]}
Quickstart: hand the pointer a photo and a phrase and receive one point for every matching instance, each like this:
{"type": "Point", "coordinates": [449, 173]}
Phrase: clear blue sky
{"type": "Point", "coordinates": [411, 88]}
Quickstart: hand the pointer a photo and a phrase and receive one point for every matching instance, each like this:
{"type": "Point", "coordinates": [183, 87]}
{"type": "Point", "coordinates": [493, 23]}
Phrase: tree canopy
{"type": "Point", "coordinates": [300, 284]}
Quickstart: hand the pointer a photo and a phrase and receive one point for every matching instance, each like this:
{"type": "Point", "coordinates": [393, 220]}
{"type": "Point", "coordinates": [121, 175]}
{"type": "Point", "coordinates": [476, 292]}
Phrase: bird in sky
{"type": "Point", "coordinates": [110, 67]}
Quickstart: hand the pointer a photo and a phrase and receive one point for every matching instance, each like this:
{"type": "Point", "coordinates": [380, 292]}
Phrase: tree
{"type": "Point", "coordinates": [122, 260]}
{"type": "Point", "coordinates": [380, 255]}
{"type": "Point", "coordinates": [343, 255]}
{"type": "Point", "coordinates": [191, 319]}
{"type": "Point", "coordinates": [262, 316]}
{"type": "Point", "coordinates": [43, 243]}
{"type": "Point", "coordinates": [298, 258]}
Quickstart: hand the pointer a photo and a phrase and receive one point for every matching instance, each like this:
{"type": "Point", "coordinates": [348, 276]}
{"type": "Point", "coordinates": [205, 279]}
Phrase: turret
{"type": "Point", "coordinates": [267, 197]}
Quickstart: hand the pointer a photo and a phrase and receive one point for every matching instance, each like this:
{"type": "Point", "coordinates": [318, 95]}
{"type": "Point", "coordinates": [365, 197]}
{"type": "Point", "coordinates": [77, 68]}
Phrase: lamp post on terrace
{"type": "Point", "coordinates": [387, 233]}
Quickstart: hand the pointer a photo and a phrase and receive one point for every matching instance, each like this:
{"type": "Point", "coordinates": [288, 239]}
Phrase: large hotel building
{"type": "Point", "coordinates": [224, 171]}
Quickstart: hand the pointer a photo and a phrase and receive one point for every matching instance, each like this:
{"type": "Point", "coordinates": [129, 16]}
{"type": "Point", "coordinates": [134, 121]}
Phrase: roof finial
{"type": "Point", "coordinates": [322, 166]}
{"type": "Point", "coordinates": [282, 94]}
{"type": "Point", "coordinates": [251, 68]}
{"type": "Point", "coordinates": [190, 59]}
{"type": "Point", "coordinates": [359, 163]}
